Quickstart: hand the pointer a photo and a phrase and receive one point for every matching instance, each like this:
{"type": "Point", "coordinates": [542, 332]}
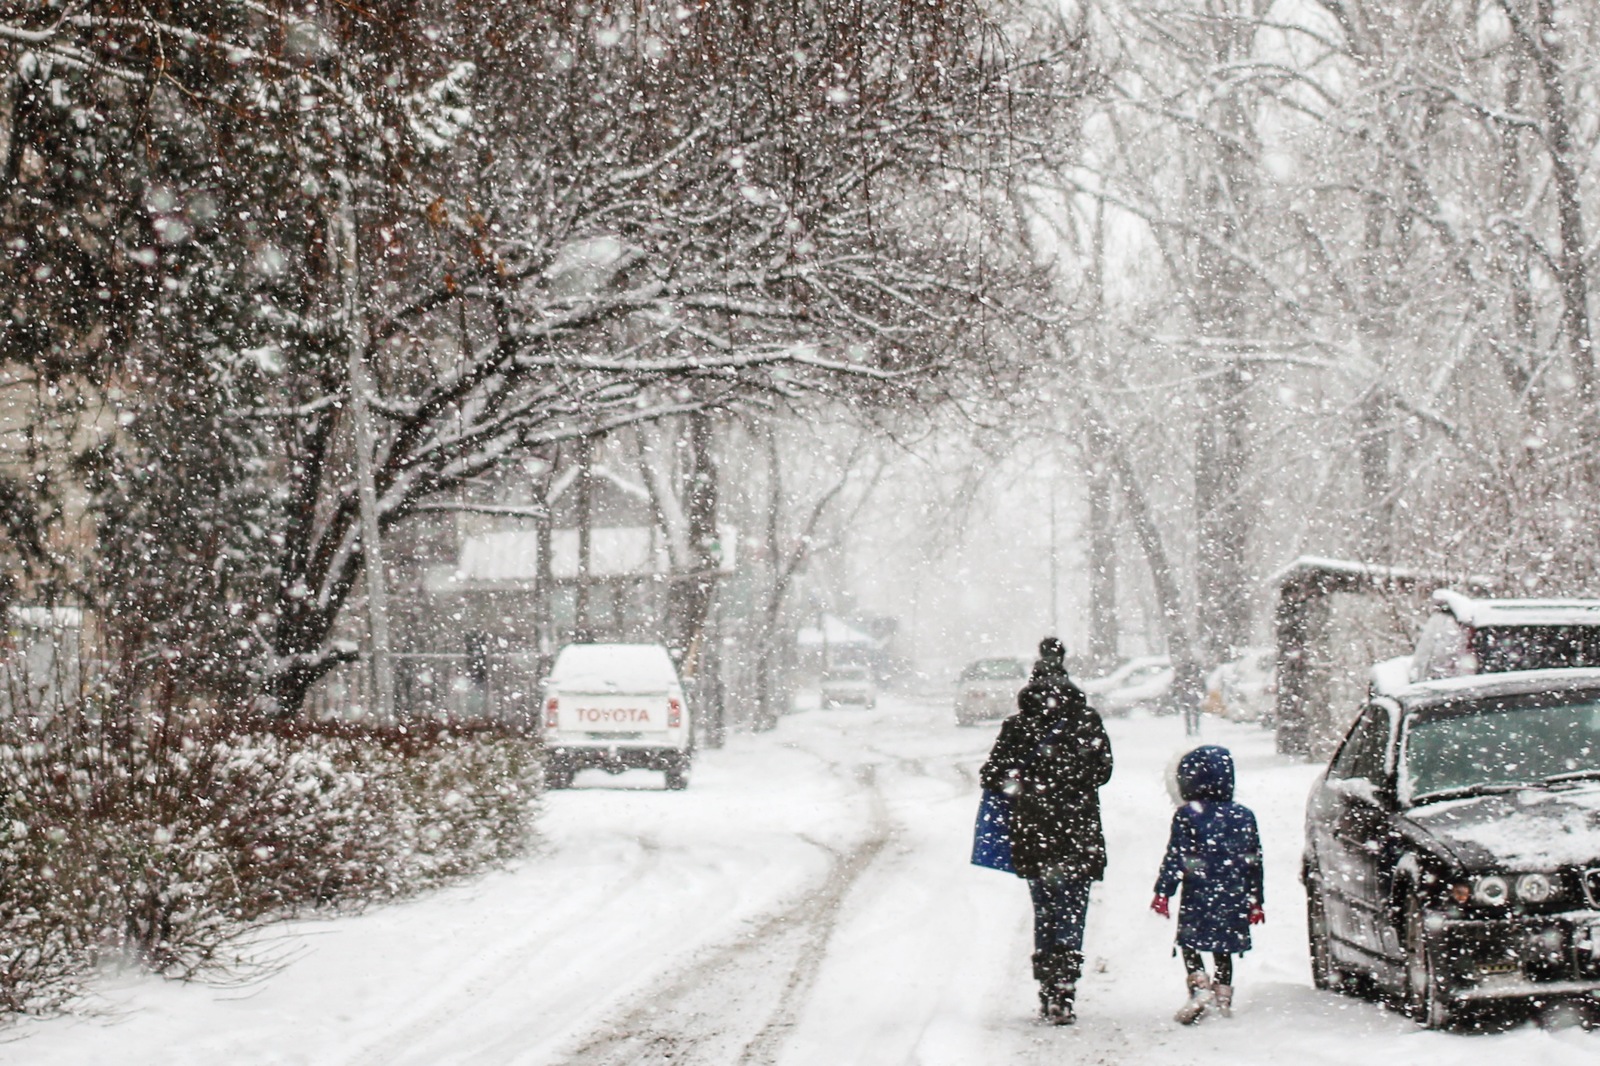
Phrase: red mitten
{"type": "Point", "coordinates": [1257, 915]}
{"type": "Point", "coordinates": [1159, 905]}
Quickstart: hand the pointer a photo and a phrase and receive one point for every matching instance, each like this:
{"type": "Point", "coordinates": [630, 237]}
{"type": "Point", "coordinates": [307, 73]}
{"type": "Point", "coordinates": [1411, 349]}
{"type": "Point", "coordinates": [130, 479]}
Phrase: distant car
{"type": "Point", "coordinates": [616, 707]}
{"type": "Point", "coordinates": [848, 684]}
{"type": "Point", "coordinates": [1452, 852]}
{"type": "Point", "coordinates": [1469, 635]}
{"type": "Point", "coordinates": [1141, 682]}
{"type": "Point", "coordinates": [1245, 689]}
{"type": "Point", "coordinates": [987, 689]}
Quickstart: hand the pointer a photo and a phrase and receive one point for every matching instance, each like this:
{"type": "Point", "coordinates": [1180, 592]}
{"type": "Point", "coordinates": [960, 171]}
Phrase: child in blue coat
{"type": "Point", "coordinates": [1215, 852]}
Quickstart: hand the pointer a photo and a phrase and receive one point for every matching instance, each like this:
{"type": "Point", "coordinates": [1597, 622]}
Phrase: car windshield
{"type": "Point", "coordinates": [992, 670]}
{"type": "Point", "coordinates": [1498, 743]}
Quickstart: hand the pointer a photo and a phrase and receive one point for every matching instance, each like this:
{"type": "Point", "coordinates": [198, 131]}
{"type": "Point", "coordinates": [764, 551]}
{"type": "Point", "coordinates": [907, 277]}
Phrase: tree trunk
{"type": "Point", "coordinates": [583, 629]}
{"type": "Point", "coordinates": [1223, 530]}
{"type": "Point", "coordinates": [1542, 41]}
{"type": "Point", "coordinates": [364, 440]}
{"type": "Point", "coordinates": [544, 580]}
{"type": "Point", "coordinates": [694, 592]}
{"type": "Point", "coordinates": [1103, 636]}
{"type": "Point", "coordinates": [1222, 607]}
{"type": "Point", "coordinates": [1163, 576]}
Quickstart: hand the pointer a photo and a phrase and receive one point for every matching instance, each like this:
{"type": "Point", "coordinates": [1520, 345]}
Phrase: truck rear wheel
{"type": "Point", "coordinates": [677, 778]}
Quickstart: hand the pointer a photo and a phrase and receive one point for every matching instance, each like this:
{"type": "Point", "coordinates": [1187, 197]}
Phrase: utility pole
{"type": "Point", "coordinates": [365, 444]}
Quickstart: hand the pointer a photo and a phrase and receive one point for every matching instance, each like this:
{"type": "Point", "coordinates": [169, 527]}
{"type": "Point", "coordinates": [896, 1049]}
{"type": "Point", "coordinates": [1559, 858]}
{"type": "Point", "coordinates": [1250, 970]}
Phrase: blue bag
{"type": "Point", "coordinates": [991, 840]}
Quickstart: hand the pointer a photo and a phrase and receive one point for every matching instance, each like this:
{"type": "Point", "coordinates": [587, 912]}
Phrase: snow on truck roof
{"type": "Point", "coordinates": [1485, 612]}
{"type": "Point", "coordinates": [614, 665]}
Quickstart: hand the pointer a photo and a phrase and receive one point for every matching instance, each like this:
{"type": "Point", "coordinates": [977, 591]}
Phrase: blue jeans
{"type": "Point", "coordinates": [1060, 906]}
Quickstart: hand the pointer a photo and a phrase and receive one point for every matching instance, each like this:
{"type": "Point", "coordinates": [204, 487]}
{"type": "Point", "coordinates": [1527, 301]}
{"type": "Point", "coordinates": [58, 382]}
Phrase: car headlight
{"type": "Point", "coordinates": [1492, 891]}
{"type": "Point", "coordinates": [1535, 888]}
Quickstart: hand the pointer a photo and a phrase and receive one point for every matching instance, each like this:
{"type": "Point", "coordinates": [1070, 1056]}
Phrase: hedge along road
{"type": "Point", "coordinates": [806, 901]}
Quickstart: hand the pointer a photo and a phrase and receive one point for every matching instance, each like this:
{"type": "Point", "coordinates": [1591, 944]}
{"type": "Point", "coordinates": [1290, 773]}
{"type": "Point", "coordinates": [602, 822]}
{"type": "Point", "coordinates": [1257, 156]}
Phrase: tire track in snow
{"type": "Point", "coordinates": [493, 970]}
{"type": "Point", "coordinates": [738, 1004]}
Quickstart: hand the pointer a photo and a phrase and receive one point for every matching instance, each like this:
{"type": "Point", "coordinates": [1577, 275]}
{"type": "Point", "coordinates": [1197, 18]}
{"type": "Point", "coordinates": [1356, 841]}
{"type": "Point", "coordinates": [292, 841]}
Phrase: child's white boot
{"type": "Point", "coordinates": [1200, 997]}
{"type": "Point", "coordinates": [1222, 995]}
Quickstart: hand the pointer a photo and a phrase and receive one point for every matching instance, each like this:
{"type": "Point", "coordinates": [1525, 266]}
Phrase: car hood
{"type": "Point", "coordinates": [1530, 829]}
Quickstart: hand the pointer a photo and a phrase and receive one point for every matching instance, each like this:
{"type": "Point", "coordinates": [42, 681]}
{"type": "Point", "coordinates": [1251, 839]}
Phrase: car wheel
{"type": "Point", "coordinates": [677, 777]}
{"type": "Point", "coordinates": [1324, 974]}
{"type": "Point", "coordinates": [1425, 1001]}
{"type": "Point", "coordinates": [557, 779]}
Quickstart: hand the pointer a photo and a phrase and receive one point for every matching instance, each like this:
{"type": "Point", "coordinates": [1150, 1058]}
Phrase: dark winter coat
{"type": "Point", "coordinates": [1051, 758]}
{"type": "Point", "coordinates": [1215, 852]}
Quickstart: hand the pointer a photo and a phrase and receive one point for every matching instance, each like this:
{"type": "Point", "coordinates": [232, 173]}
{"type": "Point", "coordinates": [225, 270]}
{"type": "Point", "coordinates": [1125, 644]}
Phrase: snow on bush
{"type": "Point", "coordinates": [165, 840]}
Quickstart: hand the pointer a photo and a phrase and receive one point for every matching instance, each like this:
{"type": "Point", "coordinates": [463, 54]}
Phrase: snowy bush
{"type": "Point", "coordinates": [165, 841]}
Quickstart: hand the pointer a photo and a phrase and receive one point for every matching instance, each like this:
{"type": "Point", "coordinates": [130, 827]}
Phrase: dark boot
{"type": "Point", "coordinates": [1063, 1004]}
{"type": "Point", "coordinates": [1043, 973]}
{"type": "Point", "coordinates": [1057, 973]}
{"type": "Point", "coordinates": [1068, 967]}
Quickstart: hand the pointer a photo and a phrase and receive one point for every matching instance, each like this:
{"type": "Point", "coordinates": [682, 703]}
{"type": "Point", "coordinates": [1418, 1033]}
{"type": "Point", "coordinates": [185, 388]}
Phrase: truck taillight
{"type": "Point", "coordinates": [552, 720]}
{"type": "Point", "coordinates": [674, 713]}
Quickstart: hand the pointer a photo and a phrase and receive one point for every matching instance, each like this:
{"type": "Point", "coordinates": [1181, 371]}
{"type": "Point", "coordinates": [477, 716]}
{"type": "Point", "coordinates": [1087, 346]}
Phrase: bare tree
{"type": "Point", "coordinates": [569, 218]}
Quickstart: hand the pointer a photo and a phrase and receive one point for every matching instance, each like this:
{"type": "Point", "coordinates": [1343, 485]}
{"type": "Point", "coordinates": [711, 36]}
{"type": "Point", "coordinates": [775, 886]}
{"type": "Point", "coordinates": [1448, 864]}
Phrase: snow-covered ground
{"type": "Point", "coordinates": [806, 901]}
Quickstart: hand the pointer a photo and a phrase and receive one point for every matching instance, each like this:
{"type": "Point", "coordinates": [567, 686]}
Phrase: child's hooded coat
{"type": "Point", "coordinates": [1215, 851]}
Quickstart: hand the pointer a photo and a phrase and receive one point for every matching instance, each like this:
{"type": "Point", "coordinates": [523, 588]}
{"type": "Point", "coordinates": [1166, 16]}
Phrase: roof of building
{"type": "Point", "coordinates": [1358, 571]}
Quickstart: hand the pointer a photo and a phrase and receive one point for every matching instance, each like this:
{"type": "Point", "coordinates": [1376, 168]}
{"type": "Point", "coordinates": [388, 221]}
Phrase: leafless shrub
{"type": "Point", "coordinates": [165, 838]}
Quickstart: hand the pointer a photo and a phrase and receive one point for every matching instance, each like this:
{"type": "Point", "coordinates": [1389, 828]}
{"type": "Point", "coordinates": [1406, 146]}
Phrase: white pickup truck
{"type": "Point", "coordinates": [616, 707]}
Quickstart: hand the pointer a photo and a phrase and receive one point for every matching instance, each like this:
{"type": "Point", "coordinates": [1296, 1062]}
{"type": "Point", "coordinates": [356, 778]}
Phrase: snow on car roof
{"type": "Point", "coordinates": [614, 665]}
{"type": "Point", "coordinates": [1485, 612]}
{"type": "Point", "coordinates": [1391, 675]}
{"type": "Point", "coordinates": [1504, 684]}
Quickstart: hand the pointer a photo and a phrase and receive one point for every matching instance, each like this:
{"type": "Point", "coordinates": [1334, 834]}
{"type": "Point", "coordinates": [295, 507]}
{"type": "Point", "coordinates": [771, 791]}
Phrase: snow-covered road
{"type": "Point", "coordinates": [806, 901]}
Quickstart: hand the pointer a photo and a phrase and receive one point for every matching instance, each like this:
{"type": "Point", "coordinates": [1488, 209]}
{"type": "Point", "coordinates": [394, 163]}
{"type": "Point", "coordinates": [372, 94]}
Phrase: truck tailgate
{"type": "Point", "coordinates": [611, 713]}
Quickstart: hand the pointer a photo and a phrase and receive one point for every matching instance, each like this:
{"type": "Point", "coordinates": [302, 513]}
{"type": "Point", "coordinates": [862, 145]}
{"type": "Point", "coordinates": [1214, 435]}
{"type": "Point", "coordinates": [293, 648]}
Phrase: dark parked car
{"type": "Point", "coordinates": [1453, 845]}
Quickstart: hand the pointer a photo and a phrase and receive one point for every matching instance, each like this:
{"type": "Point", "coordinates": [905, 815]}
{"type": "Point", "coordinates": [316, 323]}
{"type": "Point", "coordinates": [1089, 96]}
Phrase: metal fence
{"type": "Point", "coordinates": [496, 688]}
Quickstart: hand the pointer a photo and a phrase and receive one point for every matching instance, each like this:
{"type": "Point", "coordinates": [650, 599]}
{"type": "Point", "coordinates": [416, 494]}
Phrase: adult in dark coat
{"type": "Point", "coordinates": [1051, 759]}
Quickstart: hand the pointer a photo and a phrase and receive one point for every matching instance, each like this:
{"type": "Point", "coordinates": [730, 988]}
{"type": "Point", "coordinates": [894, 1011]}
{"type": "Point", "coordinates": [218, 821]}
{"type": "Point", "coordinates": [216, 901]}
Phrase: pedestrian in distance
{"type": "Point", "coordinates": [1214, 852]}
{"type": "Point", "coordinates": [1050, 760]}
